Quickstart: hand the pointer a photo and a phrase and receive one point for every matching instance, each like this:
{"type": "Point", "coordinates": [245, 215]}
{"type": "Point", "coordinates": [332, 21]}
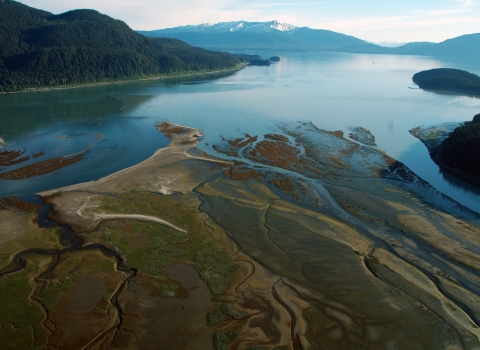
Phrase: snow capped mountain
{"type": "Point", "coordinates": [274, 35]}
{"type": "Point", "coordinates": [239, 26]}
{"type": "Point", "coordinates": [283, 27]}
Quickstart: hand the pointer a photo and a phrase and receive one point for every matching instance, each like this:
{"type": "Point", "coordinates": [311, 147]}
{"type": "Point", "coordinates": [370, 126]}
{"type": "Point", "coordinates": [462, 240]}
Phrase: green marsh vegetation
{"type": "Point", "coordinates": [21, 317]}
{"type": "Point", "coordinates": [150, 247]}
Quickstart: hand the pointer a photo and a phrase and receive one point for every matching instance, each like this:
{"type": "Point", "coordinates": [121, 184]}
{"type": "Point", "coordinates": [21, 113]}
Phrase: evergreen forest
{"type": "Point", "coordinates": [40, 49]}
{"type": "Point", "coordinates": [448, 79]}
{"type": "Point", "coordinates": [461, 150]}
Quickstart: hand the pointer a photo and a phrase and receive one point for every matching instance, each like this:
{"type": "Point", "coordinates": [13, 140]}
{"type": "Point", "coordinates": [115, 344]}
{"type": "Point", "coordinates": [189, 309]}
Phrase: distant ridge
{"type": "Point", "coordinates": [464, 45]}
{"type": "Point", "coordinates": [243, 35]}
{"type": "Point", "coordinates": [261, 35]}
{"type": "Point", "coordinates": [40, 49]}
{"type": "Point", "coordinates": [239, 26]}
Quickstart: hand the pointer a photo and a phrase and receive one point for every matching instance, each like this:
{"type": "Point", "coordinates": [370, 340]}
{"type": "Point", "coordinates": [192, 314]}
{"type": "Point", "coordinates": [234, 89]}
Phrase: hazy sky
{"type": "Point", "coordinates": [373, 20]}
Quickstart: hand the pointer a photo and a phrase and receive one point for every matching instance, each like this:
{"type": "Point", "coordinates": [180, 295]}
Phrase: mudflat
{"type": "Point", "coordinates": [296, 240]}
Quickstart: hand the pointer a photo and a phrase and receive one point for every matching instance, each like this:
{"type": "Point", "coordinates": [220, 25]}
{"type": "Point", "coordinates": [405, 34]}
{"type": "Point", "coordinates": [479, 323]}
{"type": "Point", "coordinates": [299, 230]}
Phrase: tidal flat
{"type": "Point", "coordinates": [298, 239]}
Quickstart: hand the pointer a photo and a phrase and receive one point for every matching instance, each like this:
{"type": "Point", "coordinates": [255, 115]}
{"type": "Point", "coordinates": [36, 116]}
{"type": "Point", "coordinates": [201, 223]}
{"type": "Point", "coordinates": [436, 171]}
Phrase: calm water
{"type": "Point", "coordinates": [335, 91]}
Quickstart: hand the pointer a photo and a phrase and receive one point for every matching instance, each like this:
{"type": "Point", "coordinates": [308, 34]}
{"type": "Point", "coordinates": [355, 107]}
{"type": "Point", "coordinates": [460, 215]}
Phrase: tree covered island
{"type": "Point", "coordinates": [448, 79]}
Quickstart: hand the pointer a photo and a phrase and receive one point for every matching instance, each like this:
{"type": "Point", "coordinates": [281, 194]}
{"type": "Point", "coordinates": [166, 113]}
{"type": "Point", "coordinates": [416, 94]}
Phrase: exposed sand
{"type": "Point", "coordinates": [149, 174]}
{"type": "Point", "coordinates": [283, 258]}
{"type": "Point", "coordinates": [137, 217]}
{"type": "Point", "coordinates": [11, 225]}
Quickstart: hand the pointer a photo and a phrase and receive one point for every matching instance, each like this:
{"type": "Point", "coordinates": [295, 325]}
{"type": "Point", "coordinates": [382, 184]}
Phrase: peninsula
{"type": "Point", "coordinates": [40, 49]}
{"type": "Point", "coordinates": [454, 147]}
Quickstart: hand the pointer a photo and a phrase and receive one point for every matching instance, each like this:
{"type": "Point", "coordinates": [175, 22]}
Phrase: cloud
{"type": "Point", "coordinates": [376, 20]}
{"type": "Point", "coordinates": [465, 3]}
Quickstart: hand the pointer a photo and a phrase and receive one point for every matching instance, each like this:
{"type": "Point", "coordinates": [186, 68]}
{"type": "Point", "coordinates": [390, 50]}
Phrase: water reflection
{"type": "Point", "coordinates": [417, 157]}
{"type": "Point", "coordinates": [475, 99]}
{"type": "Point", "coordinates": [460, 185]}
{"type": "Point", "coordinates": [23, 113]}
{"type": "Point", "coordinates": [335, 91]}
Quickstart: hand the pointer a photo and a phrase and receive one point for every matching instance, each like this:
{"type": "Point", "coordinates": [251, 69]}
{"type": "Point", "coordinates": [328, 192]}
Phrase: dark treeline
{"type": "Point", "coordinates": [448, 79]}
{"type": "Point", "coordinates": [38, 48]}
{"type": "Point", "coordinates": [253, 60]}
{"type": "Point", "coordinates": [461, 150]}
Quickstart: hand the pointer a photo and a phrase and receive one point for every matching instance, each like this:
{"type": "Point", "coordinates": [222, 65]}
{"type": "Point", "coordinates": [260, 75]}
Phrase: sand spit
{"type": "Point", "coordinates": [146, 174]}
{"type": "Point", "coordinates": [137, 217]}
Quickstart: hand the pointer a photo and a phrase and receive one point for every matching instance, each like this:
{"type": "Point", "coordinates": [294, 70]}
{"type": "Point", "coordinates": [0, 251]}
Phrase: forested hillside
{"type": "Point", "coordinates": [448, 79]}
{"type": "Point", "coordinates": [38, 48]}
{"type": "Point", "coordinates": [461, 150]}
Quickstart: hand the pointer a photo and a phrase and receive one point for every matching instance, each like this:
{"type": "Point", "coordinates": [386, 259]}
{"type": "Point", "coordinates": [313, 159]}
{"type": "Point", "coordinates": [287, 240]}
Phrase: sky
{"type": "Point", "coordinates": [371, 20]}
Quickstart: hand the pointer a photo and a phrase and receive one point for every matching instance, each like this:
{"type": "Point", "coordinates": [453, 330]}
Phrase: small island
{"type": "Point", "coordinates": [448, 79]}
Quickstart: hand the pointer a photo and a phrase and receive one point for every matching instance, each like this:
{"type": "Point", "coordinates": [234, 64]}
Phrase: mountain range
{"type": "Point", "coordinates": [273, 35]}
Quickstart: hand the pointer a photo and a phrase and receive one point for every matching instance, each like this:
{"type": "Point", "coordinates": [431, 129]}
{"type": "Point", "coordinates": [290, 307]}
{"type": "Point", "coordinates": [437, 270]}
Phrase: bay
{"type": "Point", "coordinates": [335, 91]}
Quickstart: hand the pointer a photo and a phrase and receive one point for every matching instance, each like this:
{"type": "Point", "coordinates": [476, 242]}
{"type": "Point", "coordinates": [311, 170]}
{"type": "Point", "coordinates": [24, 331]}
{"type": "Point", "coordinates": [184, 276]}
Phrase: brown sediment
{"type": "Point", "coordinates": [276, 137]}
{"type": "Point", "coordinates": [362, 135]}
{"type": "Point", "coordinates": [8, 158]}
{"type": "Point", "coordinates": [338, 133]}
{"type": "Point", "coordinates": [241, 142]}
{"type": "Point", "coordinates": [285, 184]}
{"type": "Point", "coordinates": [86, 298]}
{"type": "Point", "coordinates": [225, 151]}
{"type": "Point", "coordinates": [280, 154]}
{"type": "Point", "coordinates": [351, 150]}
{"type": "Point", "coordinates": [39, 154]}
{"type": "Point", "coordinates": [244, 173]}
{"type": "Point", "coordinates": [169, 129]}
{"type": "Point", "coordinates": [231, 147]}
{"type": "Point", "coordinates": [16, 204]}
{"type": "Point", "coordinates": [269, 324]}
{"type": "Point", "coordinates": [307, 164]}
{"type": "Point", "coordinates": [41, 168]}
